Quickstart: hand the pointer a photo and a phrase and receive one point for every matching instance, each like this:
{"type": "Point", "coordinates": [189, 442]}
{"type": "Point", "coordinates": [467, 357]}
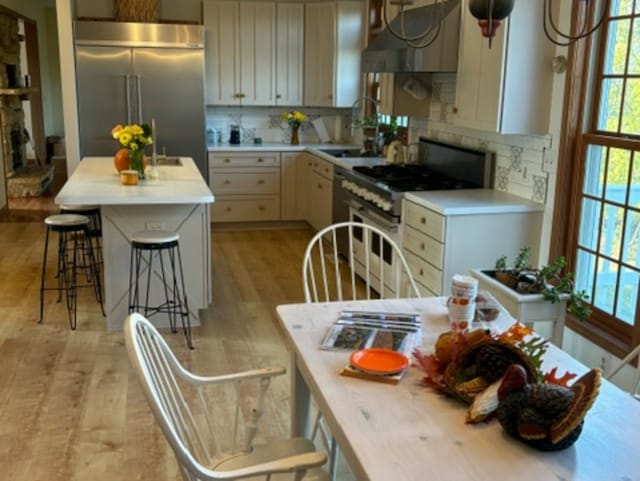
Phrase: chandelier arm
{"type": "Point", "coordinates": [427, 42]}
{"type": "Point", "coordinates": [439, 5]}
{"type": "Point", "coordinates": [571, 38]}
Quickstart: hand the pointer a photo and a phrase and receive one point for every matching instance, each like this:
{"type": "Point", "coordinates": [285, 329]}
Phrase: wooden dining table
{"type": "Point", "coordinates": [409, 432]}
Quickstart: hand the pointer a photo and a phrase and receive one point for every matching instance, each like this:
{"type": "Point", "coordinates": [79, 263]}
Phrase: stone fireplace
{"type": "Point", "coordinates": [23, 179]}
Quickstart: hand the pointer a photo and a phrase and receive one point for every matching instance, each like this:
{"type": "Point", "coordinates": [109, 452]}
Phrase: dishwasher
{"type": "Point", "coordinates": [340, 210]}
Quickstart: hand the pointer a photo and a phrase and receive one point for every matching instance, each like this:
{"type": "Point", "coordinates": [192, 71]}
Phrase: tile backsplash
{"type": "Point", "coordinates": [265, 123]}
{"type": "Point", "coordinates": [520, 159]}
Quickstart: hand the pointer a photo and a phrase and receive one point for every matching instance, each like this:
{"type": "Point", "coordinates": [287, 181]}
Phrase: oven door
{"type": "Point", "coordinates": [377, 256]}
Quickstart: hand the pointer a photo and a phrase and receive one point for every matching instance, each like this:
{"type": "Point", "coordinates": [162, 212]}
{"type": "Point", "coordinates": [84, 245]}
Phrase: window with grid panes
{"type": "Point", "coordinates": [605, 243]}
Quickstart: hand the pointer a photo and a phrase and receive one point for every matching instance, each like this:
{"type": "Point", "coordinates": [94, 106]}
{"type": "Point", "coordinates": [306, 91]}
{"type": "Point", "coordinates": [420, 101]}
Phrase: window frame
{"type": "Point", "coordinates": [583, 91]}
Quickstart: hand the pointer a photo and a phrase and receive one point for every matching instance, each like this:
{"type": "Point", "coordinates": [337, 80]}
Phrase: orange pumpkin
{"type": "Point", "coordinates": [121, 160]}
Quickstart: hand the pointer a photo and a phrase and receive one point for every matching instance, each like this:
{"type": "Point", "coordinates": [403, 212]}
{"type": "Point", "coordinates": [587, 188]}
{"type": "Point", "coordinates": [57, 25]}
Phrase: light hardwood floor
{"type": "Point", "coordinates": [70, 406]}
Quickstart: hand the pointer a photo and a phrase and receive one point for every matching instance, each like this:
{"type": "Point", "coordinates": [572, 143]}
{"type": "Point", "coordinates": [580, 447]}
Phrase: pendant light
{"type": "Point", "coordinates": [550, 26]}
{"type": "Point", "coordinates": [490, 14]}
{"type": "Point", "coordinates": [419, 40]}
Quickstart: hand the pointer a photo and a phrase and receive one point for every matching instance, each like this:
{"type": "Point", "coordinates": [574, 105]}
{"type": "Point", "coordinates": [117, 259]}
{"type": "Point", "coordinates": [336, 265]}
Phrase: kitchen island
{"type": "Point", "coordinates": [178, 200]}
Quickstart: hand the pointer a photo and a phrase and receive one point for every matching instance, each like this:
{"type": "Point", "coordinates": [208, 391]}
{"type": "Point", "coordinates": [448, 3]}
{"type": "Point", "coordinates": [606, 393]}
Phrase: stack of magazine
{"type": "Point", "coordinates": [355, 330]}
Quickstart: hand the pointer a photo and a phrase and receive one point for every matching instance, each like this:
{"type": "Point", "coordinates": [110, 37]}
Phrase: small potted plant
{"type": "Point", "coordinates": [546, 280]}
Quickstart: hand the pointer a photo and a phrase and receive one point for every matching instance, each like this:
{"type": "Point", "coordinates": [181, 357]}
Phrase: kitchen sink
{"type": "Point", "coordinates": [170, 161]}
{"type": "Point", "coordinates": [348, 153]}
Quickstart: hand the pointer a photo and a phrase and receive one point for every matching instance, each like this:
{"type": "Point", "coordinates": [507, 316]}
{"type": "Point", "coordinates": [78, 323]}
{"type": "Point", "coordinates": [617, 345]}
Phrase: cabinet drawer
{"type": "Point", "coordinates": [253, 159]}
{"type": "Point", "coordinates": [424, 273]}
{"type": "Point", "coordinates": [424, 220]}
{"type": "Point", "coordinates": [239, 181]}
{"type": "Point", "coordinates": [244, 209]}
{"type": "Point", "coordinates": [322, 167]}
{"type": "Point", "coordinates": [423, 246]}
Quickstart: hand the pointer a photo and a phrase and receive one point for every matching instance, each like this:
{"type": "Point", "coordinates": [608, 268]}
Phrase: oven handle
{"type": "Point", "coordinates": [370, 213]}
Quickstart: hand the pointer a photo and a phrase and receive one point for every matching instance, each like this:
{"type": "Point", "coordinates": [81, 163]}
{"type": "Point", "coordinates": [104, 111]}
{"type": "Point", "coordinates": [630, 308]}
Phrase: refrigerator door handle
{"type": "Point", "coordinates": [139, 94]}
{"type": "Point", "coordinates": [127, 88]}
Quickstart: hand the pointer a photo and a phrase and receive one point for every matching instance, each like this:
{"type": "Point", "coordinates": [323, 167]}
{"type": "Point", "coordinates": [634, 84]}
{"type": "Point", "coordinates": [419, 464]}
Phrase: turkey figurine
{"type": "Point", "coordinates": [548, 417]}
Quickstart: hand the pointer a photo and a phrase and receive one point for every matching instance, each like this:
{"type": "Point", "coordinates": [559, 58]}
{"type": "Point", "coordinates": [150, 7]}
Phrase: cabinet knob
{"type": "Point", "coordinates": [241, 95]}
{"type": "Point", "coordinates": [260, 160]}
{"type": "Point", "coordinates": [421, 246]}
{"type": "Point", "coordinates": [423, 220]}
{"type": "Point", "coordinates": [421, 271]}
{"type": "Point", "coordinates": [320, 186]}
{"type": "Point", "coordinates": [278, 96]}
{"type": "Point", "coordinates": [228, 209]}
{"type": "Point", "coordinates": [227, 182]}
{"type": "Point", "coordinates": [261, 208]}
{"type": "Point", "coordinates": [260, 181]}
{"type": "Point", "coordinates": [454, 110]}
{"type": "Point", "coordinates": [227, 160]}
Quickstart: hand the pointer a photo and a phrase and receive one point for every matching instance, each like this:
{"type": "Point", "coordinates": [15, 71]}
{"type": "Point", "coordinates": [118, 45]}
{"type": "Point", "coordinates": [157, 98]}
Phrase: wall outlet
{"type": "Point", "coordinates": [155, 225]}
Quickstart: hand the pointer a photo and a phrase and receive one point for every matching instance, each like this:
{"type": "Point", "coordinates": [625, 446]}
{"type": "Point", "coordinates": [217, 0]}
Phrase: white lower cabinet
{"type": "Point", "coordinates": [320, 207]}
{"type": "Point", "coordinates": [246, 186]}
{"type": "Point", "coordinates": [294, 195]}
{"type": "Point", "coordinates": [438, 246]}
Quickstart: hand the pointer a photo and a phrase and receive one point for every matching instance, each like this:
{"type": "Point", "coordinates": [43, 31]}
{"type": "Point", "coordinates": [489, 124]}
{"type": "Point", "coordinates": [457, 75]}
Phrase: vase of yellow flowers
{"type": "Point", "coordinates": [134, 138]}
{"type": "Point", "coordinates": [294, 119]}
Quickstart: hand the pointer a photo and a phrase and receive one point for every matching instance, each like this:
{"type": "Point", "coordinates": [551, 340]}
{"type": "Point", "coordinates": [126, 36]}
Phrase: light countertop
{"type": "Point", "coordinates": [344, 162]}
{"type": "Point", "coordinates": [96, 181]}
{"type": "Point", "coordinates": [473, 201]}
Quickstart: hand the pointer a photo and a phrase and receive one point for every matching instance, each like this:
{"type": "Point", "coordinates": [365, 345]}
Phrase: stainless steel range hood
{"type": "Point", "coordinates": [386, 53]}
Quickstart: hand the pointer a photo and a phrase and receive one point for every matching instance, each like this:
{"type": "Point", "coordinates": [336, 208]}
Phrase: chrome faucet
{"type": "Point", "coordinates": [376, 105]}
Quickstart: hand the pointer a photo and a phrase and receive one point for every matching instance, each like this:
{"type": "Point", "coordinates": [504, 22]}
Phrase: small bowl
{"type": "Point", "coordinates": [129, 177]}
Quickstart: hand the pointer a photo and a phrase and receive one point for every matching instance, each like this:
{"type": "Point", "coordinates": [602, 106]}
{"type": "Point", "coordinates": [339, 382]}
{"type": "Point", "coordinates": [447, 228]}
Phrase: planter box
{"type": "Point", "coordinates": [527, 308]}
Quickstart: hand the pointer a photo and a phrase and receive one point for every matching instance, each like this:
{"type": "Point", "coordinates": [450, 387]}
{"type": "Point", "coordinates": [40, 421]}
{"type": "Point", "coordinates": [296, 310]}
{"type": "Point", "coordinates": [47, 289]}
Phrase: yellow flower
{"type": "Point", "coordinates": [132, 137]}
{"type": "Point", "coordinates": [294, 118]}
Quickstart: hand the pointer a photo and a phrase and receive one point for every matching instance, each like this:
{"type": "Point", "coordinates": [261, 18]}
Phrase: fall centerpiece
{"type": "Point", "coordinates": [134, 138]}
{"type": "Point", "coordinates": [294, 119]}
{"type": "Point", "coordinates": [499, 375]}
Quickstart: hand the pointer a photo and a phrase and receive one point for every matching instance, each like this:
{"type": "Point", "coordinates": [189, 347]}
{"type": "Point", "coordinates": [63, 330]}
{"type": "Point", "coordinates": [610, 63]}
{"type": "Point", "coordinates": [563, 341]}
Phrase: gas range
{"type": "Point", "coordinates": [440, 167]}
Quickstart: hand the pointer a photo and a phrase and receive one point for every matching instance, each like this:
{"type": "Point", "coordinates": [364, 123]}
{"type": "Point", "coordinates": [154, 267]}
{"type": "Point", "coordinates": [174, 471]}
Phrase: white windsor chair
{"type": "Point", "coordinates": [635, 353]}
{"type": "Point", "coordinates": [178, 400]}
{"type": "Point", "coordinates": [327, 277]}
{"type": "Point", "coordinates": [374, 260]}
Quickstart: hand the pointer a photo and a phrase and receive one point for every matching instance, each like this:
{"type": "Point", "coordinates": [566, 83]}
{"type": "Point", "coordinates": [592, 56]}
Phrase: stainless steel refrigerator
{"type": "Point", "coordinates": [133, 72]}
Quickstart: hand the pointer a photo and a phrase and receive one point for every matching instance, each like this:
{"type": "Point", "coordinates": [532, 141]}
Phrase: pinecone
{"type": "Point", "coordinates": [492, 361]}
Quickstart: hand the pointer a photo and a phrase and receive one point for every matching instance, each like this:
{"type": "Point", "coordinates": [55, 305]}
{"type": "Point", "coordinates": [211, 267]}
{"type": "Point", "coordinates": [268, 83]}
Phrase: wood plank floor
{"type": "Point", "coordinates": [70, 407]}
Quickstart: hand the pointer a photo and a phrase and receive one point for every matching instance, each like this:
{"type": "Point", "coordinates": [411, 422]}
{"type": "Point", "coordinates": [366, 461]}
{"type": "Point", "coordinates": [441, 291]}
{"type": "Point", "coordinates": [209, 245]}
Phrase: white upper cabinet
{"type": "Point", "coordinates": [505, 88]}
{"type": "Point", "coordinates": [289, 53]}
{"type": "Point", "coordinates": [333, 44]}
{"type": "Point", "coordinates": [240, 53]}
{"type": "Point", "coordinates": [257, 53]}
{"type": "Point", "coordinates": [222, 52]}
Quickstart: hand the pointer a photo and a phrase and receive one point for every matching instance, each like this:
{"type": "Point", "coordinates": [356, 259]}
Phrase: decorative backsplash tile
{"type": "Point", "coordinates": [265, 122]}
{"type": "Point", "coordinates": [519, 159]}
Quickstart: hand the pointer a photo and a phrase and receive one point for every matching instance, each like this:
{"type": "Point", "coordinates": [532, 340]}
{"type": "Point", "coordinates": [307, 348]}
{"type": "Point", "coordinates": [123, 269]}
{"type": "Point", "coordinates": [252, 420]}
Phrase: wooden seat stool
{"type": "Point", "coordinates": [165, 243]}
{"type": "Point", "coordinates": [73, 240]}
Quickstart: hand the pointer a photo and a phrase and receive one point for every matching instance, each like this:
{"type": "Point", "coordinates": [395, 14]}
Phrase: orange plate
{"type": "Point", "coordinates": [379, 361]}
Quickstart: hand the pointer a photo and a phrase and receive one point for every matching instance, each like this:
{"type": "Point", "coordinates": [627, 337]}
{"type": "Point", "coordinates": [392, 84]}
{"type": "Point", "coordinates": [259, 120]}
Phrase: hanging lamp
{"type": "Point", "coordinates": [490, 14]}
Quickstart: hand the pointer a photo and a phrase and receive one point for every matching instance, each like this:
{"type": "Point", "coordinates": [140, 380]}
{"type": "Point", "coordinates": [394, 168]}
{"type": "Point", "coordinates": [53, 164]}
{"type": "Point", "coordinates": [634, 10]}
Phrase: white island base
{"type": "Point", "coordinates": [179, 200]}
{"type": "Point", "coordinates": [191, 222]}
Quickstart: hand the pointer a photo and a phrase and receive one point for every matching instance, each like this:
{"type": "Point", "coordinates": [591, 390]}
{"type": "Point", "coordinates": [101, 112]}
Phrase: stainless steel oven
{"type": "Point", "coordinates": [374, 194]}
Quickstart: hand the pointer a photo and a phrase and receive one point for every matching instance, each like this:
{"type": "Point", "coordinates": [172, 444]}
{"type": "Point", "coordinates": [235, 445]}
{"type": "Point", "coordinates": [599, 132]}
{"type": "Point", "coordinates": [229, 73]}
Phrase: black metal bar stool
{"type": "Point", "coordinates": [165, 243]}
{"type": "Point", "coordinates": [73, 241]}
{"type": "Point", "coordinates": [95, 223]}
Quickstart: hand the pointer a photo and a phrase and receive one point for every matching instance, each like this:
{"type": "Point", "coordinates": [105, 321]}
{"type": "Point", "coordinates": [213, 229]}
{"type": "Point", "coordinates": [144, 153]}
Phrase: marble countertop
{"type": "Point", "coordinates": [96, 181]}
{"type": "Point", "coordinates": [473, 201]}
{"type": "Point", "coordinates": [344, 162]}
